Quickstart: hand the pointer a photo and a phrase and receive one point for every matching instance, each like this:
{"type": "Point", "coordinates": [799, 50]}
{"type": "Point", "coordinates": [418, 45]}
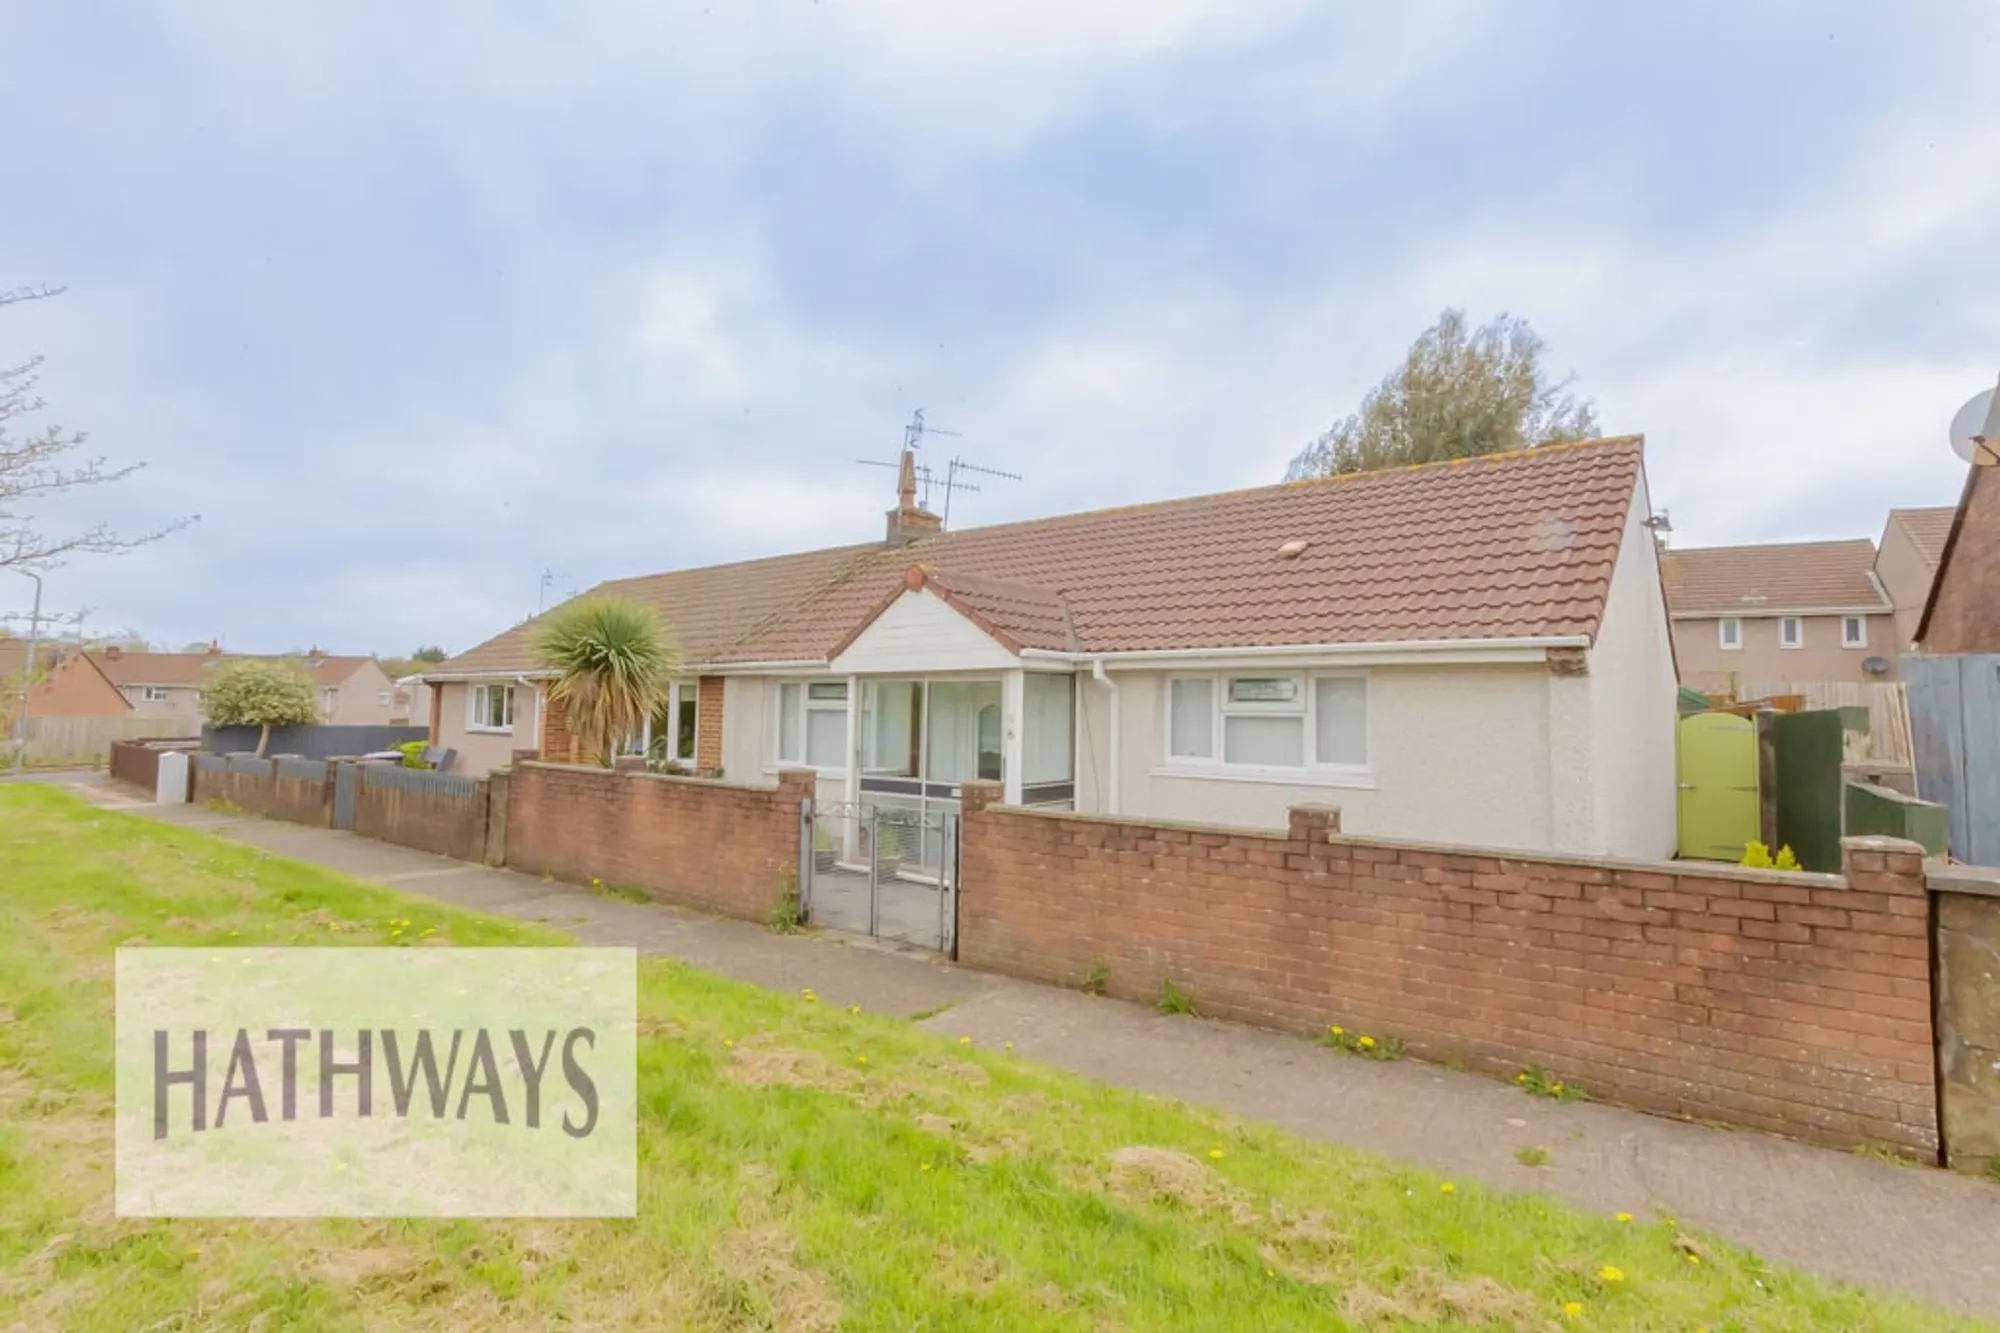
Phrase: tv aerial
{"type": "Point", "coordinates": [1975, 431]}
{"type": "Point", "coordinates": [955, 471]}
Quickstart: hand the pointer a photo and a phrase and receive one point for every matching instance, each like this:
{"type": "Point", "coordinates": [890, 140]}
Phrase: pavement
{"type": "Point", "coordinates": [1893, 1227]}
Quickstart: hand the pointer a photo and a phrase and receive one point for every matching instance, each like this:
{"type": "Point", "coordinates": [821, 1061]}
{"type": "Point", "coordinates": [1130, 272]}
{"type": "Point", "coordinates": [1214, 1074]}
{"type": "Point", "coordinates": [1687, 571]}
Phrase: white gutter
{"type": "Point", "coordinates": [499, 673]}
{"type": "Point", "coordinates": [1762, 613]}
{"type": "Point", "coordinates": [1309, 650]}
{"type": "Point", "coordinates": [1103, 677]}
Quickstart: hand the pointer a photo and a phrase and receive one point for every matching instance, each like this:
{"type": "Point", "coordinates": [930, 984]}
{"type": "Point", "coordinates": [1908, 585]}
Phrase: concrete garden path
{"type": "Point", "coordinates": [1901, 1228]}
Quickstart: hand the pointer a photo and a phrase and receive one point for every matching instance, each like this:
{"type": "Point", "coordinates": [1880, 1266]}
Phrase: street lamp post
{"type": "Point", "coordinates": [28, 671]}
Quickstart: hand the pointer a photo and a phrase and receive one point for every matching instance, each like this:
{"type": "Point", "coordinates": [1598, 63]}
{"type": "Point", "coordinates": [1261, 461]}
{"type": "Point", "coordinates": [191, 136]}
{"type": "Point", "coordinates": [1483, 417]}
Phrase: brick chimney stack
{"type": "Point", "coordinates": [909, 520]}
{"type": "Point", "coordinates": [214, 649]}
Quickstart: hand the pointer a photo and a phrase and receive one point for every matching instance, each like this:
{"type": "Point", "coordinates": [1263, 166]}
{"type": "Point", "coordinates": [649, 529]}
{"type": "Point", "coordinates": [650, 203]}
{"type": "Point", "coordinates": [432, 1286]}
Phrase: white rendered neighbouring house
{"type": "Point", "coordinates": [1474, 652]}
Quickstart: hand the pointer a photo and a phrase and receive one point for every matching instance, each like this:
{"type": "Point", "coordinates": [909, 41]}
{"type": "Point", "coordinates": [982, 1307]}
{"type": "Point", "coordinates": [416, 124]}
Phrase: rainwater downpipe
{"type": "Point", "coordinates": [523, 680]}
{"type": "Point", "coordinates": [1103, 677]}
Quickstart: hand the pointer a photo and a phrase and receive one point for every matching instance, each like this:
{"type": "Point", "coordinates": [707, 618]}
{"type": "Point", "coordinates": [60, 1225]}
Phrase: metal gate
{"type": "Point", "coordinates": [346, 794]}
{"type": "Point", "coordinates": [1716, 758]}
{"type": "Point", "coordinates": [883, 870]}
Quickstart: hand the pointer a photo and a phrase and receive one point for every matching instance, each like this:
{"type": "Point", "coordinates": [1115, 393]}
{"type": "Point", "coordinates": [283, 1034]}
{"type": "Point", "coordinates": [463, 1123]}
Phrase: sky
{"type": "Point", "coordinates": [415, 304]}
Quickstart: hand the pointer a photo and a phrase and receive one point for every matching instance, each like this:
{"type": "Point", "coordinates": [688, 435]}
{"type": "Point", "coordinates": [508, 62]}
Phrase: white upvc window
{"type": "Point", "coordinates": [1729, 634]}
{"type": "Point", "coordinates": [1791, 632]}
{"type": "Point", "coordinates": [1268, 721]}
{"type": "Point", "coordinates": [490, 708]}
{"type": "Point", "coordinates": [812, 724]}
{"type": "Point", "coordinates": [1854, 631]}
{"type": "Point", "coordinates": [329, 699]}
{"type": "Point", "coordinates": [383, 698]}
{"type": "Point", "coordinates": [154, 694]}
{"type": "Point", "coordinates": [670, 735]}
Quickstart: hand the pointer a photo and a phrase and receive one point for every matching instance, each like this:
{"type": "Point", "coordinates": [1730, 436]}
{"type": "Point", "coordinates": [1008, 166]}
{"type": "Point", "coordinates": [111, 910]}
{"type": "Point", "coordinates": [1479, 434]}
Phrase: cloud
{"type": "Point", "coordinates": [414, 305]}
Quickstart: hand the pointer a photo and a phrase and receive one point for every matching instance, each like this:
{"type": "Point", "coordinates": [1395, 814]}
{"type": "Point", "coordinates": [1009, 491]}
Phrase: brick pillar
{"type": "Point", "coordinates": [1315, 823]}
{"type": "Point", "coordinates": [974, 797]}
{"type": "Point", "coordinates": [557, 743]}
{"type": "Point", "coordinates": [499, 786]}
{"type": "Point", "coordinates": [1884, 865]}
{"type": "Point", "coordinates": [437, 713]}
{"type": "Point", "coordinates": [708, 724]}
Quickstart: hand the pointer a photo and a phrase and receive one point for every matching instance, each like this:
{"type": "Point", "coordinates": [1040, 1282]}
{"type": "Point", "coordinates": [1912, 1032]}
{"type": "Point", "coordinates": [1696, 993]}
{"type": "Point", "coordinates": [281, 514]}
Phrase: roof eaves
{"type": "Point", "coordinates": [1972, 472]}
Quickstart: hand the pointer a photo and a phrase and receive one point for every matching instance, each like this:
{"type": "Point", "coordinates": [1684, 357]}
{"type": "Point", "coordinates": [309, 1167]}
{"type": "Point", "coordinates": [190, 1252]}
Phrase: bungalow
{"type": "Point", "coordinates": [1471, 652]}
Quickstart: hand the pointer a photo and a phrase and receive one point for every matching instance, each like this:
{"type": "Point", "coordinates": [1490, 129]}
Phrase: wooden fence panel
{"type": "Point", "coordinates": [87, 740]}
{"type": "Point", "coordinates": [1955, 732]}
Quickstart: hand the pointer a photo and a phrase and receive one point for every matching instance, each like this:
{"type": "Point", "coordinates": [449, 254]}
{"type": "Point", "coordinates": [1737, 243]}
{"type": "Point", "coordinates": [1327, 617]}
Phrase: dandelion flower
{"type": "Point", "coordinates": [1010, 1045]}
{"type": "Point", "coordinates": [965, 1041]}
{"type": "Point", "coordinates": [1694, 1258]}
{"type": "Point", "coordinates": [1623, 1217]}
{"type": "Point", "coordinates": [194, 1254]}
{"type": "Point", "coordinates": [1556, 1087]}
{"type": "Point", "coordinates": [1611, 1273]}
{"type": "Point", "coordinates": [1523, 1078]}
{"type": "Point", "coordinates": [927, 1166]}
{"type": "Point", "coordinates": [1337, 1030]}
{"type": "Point", "coordinates": [861, 1059]}
{"type": "Point", "coordinates": [1572, 1309]}
{"type": "Point", "coordinates": [1215, 1154]}
{"type": "Point", "coordinates": [728, 1041]}
{"type": "Point", "coordinates": [1270, 1272]}
{"type": "Point", "coordinates": [853, 1008]}
{"type": "Point", "coordinates": [1447, 1188]}
{"type": "Point", "coordinates": [1367, 1043]}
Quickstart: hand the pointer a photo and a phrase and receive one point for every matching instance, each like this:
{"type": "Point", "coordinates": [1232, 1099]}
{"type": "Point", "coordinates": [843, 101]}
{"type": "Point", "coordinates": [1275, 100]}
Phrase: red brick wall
{"type": "Point", "coordinates": [1793, 1003]}
{"type": "Point", "coordinates": [691, 842]}
{"type": "Point", "coordinates": [1966, 615]}
{"type": "Point", "coordinates": [557, 742]}
{"type": "Point", "coordinates": [708, 723]}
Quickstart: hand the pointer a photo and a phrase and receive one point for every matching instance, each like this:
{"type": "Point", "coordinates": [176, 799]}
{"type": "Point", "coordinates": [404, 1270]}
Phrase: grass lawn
{"type": "Point", "coordinates": [801, 1168]}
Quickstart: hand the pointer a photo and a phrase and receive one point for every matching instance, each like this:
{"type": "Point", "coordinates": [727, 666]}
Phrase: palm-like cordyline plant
{"type": "Point", "coordinates": [616, 663]}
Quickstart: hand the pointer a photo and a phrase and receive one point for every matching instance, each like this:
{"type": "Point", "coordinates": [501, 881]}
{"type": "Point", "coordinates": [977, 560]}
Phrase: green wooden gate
{"type": "Point", "coordinates": [1807, 775]}
{"type": "Point", "coordinates": [1717, 769]}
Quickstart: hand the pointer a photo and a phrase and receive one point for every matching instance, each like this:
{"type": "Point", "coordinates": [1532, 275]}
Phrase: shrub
{"type": "Point", "coordinates": [1757, 856]}
{"type": "Point", "coordinates": [788, 914]}
{"type": "Point", "coordinates": [413, 753]}
{"type": "Point", "coordinates": [1175, 1000]}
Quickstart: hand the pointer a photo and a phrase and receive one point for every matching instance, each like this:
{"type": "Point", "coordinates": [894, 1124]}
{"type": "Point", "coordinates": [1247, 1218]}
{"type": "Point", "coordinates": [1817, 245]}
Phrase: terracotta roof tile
{"type": "Point", "coordinates": [1508, 546]}
{"type": "Point", "coordinates": [186, 670]}
{"type": "Point", "coordinates": [1926, 529]}
{"type": "Point", "coordinates": [1764, 580]}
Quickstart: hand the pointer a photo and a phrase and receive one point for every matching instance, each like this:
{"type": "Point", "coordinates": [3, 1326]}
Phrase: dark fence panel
{"type": "Point", "coordinates": [314, 742]}
{"type": "Point", "coordinates": [433, 812]}
{"type": "Point", "coordinates": [138, 762]}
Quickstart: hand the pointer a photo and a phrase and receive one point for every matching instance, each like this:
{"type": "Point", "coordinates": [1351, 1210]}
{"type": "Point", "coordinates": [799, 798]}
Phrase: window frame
{"type": "Point", "coordinates": [1722, 638]}
{"type": "Point", "coordinates": [1859, 639]}
{"type": "Point", "coordinates": [153, 694]}
{"type": "Point", "coordinates": [478, 708]}
{"type": "Point", "coordinates": [808, 705]}
{"type": "Point", "coordinates": [1797, 624]}
{"type": "Point", "coordinates": [1304, 706]}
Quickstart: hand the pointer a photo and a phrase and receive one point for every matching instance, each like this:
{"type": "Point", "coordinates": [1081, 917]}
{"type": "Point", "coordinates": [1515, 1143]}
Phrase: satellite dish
{"type": "Point", "coordinates": [1975, 431]}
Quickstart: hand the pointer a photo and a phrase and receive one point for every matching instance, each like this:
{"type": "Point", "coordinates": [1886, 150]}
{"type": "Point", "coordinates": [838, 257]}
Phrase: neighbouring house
{"type": "Point", "coordinates": [1470, 652]}
{"type": "Point", "coordinates": [1906, 563]}
{"type": "Point", "coordinates": [410, 701]}
{"type": "Point", "coordinates": [1750, 618]}
{"type": "Point", "coordinates": [353, 691]}
{"type": "Point", "coordinates": [1962, 612]}
{"type": "Point", "coordinates": [67, 684]}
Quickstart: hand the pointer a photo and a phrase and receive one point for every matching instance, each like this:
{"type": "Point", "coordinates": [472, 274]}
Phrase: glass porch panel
{"type": "Point", "coordinates": [891, 728]}
{"type": "Point", "coordinates": [963, 733]}
{"type": "Point", "coordinates": [1048, 731]}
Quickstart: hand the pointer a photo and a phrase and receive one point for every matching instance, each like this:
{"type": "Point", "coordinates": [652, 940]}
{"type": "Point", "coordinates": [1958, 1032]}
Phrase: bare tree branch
{"type": "Point", "coordinates": [42, 464]}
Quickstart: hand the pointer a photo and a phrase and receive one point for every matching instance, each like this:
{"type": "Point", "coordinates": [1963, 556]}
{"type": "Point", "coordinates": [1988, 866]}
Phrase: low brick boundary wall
{"type": "Point", "coordinates": [691, 842]}
{"type": "Point", "coordinates": [1799, 1004]}
{"type": "Point", "coordinates": [1968, 1012]}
